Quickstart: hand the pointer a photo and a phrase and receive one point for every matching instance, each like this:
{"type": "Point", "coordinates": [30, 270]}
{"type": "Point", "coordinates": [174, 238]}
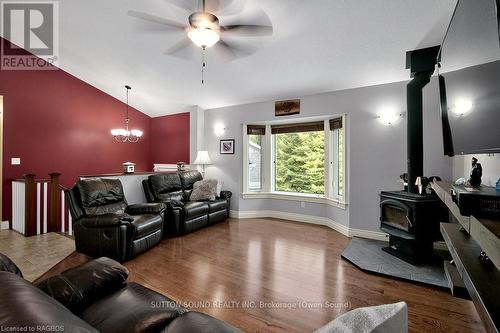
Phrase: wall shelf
{"type": "Point", "coordinates": [465, 241]}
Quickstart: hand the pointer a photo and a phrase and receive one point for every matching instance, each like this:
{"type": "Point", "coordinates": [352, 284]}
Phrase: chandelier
{"type": "Point", "coordinates": [125, 134]}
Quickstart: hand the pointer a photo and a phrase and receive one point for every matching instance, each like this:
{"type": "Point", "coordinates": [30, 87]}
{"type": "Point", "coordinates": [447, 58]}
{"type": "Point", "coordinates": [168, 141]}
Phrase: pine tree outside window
{"type": "Point", "coordinates": [300, 162]}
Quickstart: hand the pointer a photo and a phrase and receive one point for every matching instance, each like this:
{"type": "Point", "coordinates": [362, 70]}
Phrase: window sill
{"type": "Point", "coordinates": [295, 197]}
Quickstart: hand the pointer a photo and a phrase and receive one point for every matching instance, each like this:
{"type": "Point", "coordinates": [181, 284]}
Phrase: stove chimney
{"type": "Point", "coordinates": [421, 64]}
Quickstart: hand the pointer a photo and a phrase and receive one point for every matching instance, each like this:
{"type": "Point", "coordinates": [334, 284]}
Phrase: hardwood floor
{"type": "Point", "coordinates": [290, 264]}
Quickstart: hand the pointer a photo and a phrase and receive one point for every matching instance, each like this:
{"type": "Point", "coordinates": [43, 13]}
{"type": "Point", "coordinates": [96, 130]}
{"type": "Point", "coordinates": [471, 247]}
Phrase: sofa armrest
{"type": "Point", "coordinates": [7, 265]}
{"type": "Point", "coordinates": [226, 194]}
{"type": "Point", "coordinates": [79, 287]}
{"type": "Point", "coordinates": [145, 208]}
{"type": "Point", "coordinates": [105, 221]}
{"type": "Point", "coordinates": [174, 204]}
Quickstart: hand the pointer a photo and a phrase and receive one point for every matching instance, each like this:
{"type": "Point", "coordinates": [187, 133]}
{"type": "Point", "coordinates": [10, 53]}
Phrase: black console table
{"type": "Point", "coordinates": [465, 240]}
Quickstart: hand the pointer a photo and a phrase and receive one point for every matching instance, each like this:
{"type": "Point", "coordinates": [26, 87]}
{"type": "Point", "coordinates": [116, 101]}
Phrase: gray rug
{"type": "Point", "coordinates": [367, 255]}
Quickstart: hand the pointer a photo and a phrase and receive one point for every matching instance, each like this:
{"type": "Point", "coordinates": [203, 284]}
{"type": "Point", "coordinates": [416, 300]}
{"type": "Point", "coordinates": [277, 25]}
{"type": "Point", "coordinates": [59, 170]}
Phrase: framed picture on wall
{"type": "Point", "coordinates": [287, 108]}
{"type": "Point", "coordinates": [227, 147]}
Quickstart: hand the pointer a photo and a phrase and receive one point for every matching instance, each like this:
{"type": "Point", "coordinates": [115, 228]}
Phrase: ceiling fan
{"type": "Point", "coordinates": [204, 30]}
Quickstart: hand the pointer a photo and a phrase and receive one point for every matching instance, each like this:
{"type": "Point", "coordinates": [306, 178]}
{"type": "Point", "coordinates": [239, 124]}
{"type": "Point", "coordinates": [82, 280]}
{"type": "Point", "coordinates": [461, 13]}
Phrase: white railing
{"type": "Point", "coordinates": [66, 221]}
{"type": "Point", "coordinates": [18, 206]}
{"type": "Point", "coordinates": [39, 206]}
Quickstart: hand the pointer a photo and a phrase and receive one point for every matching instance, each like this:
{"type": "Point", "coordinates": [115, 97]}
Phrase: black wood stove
{"type": "Point", "coordinates": [412, 222]}
{"type": "Point", "coordinates": [412, 219]}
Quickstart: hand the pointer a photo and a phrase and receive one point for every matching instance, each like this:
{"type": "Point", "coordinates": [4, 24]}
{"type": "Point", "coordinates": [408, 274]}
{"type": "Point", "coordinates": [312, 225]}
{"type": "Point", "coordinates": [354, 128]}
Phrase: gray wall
{"type": "Point", "coordinates": [490, 164]}
{"type": "Point", "coordinates": [376, 153]}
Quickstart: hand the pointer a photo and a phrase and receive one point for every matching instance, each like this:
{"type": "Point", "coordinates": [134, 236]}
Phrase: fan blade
{"type": "Point", "coordinates": [248, 30]}
{"type": "Point", "coordinates": [182, 49]}
{"type": "Point", "coordinates": [156, 19]}
{"type": "Point", "coordinates": [231, 50]}
{"type": "Point", "coordinates": [252, 22]}
{"type": "Point", "coordinates": [219, 6]}
{"type": "Point", "coordinates": [189, 5]}
{"type": "Point", "coordinates": [224, 50]}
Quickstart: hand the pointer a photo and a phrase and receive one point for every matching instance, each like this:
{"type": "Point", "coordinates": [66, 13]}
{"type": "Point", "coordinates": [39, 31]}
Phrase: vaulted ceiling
{"type": "Point", "coordinates": [317, 46]}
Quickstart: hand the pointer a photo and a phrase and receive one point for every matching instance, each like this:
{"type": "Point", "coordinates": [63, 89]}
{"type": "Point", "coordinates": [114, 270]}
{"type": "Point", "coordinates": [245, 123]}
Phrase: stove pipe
{"type": "Point", "coordinates": [422, 64]}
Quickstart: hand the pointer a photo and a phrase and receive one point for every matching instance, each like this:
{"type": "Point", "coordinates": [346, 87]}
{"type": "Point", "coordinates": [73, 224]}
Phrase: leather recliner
{"type": "Point", "coordinates": [94, 297]}
{"type": "Point", "coordinates": [183, 215]}
{"type": "Point", "coordinates": [105, 225]}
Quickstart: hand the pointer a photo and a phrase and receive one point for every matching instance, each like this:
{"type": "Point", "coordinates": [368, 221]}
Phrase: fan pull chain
{"type": "Point", "coordinates": [204, 64]}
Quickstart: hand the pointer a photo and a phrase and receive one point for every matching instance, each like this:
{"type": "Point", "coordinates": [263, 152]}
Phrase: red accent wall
{"type": "Point", "coordinates": [170, 135]}
{"type": "Point", "coordinates": [55, 122]}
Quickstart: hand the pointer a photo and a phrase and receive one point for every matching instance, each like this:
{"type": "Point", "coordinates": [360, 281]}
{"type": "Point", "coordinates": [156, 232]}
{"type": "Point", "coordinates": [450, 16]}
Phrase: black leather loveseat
{"type": "Point", "coordinates": [92, 298]}
{"type": "Point", "coordinates": [182, 215]}
{"type": "Point", "coordinates": [105, 225]}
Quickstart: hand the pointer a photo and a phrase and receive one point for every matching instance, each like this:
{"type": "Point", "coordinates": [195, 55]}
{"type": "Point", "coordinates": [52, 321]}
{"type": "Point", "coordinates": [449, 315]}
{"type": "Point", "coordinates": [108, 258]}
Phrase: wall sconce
{"type": "Point", "coordinates": [462, 107]}
{"type": "Point", "coordinates": [219, 129]}
{"type": "Point", "coordinates": [389, 116]}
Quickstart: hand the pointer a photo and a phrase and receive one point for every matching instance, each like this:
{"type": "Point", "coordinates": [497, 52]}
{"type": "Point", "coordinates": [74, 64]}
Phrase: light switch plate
{"type": "Point", "coordinates": [15, 161]}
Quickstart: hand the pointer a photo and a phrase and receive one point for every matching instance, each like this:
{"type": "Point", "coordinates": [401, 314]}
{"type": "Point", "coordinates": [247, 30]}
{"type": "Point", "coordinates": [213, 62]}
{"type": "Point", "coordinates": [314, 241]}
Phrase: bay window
{"type": "Point", "coordinates": [297, 161]}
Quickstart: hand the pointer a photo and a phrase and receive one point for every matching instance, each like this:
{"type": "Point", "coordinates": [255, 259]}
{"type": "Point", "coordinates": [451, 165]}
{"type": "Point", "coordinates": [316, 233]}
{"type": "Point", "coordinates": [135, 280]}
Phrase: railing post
{"type": "Point", "coordinates": [55, 201]}
{"type": "Point", "coordinates": [29, 208]}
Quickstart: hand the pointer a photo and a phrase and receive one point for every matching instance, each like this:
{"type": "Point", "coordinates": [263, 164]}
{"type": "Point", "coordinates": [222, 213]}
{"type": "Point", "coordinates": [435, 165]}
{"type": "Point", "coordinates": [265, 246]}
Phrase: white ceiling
{"type": "Point", "coordinates": [317, 46]}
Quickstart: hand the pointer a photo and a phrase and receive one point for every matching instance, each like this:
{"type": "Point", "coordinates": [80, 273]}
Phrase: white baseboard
{"type": "Point", "coordinates": [382, 236]}
{"type": "Point", "coordinates": [4, 225]}
{"type": "Point", "coordinates": [344, 230]}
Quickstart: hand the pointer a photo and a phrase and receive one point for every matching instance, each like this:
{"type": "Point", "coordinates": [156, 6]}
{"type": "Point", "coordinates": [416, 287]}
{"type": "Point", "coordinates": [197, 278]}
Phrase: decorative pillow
{"type": "Point", "coordinates": [388, 318]}
{"type": "Point", "coordinates": [204, 190]}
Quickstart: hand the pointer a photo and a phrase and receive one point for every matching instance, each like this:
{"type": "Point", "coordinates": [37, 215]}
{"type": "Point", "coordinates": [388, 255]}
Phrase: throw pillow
{"type": "Point", "coordinates": [387, 318]}
{"type": "Point", "coordinates": [205, 189]}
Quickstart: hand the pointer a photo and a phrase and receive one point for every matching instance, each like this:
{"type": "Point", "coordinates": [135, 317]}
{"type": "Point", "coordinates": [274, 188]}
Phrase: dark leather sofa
{"type": "Point", "coordinates": [182, 215]}
{"type": "Point", "coordinates": [94, 297]}
{"type": "Point", "coordinates": [105, 225]}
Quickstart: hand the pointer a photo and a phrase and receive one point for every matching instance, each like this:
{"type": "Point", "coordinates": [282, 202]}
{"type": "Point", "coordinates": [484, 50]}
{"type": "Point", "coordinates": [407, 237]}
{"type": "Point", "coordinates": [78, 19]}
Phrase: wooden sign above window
{"type": "Point", "coordinates": [287, 108]}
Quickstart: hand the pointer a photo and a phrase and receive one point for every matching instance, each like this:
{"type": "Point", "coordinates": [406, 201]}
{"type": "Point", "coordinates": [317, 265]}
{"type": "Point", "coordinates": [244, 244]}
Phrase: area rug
{"type": "Point", "coordinates": [367, 255]}
{"type": "Point", "coordinates": [37, 254]}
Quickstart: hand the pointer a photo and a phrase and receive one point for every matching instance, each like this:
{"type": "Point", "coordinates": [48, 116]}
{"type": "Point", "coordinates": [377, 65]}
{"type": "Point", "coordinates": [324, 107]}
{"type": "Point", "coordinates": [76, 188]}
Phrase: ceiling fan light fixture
{"type": "Point", "coordinates": [203, 37]}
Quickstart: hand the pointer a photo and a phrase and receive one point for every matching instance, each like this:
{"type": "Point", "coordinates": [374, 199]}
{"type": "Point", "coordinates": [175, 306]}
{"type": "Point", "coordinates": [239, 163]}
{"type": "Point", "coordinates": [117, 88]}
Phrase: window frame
{"type": "Point", "coordinates": [268, 167]}
{"type": "Point", "coordinates": [248, 143]}
{"type": "Point", "coordinates": [334, 170]}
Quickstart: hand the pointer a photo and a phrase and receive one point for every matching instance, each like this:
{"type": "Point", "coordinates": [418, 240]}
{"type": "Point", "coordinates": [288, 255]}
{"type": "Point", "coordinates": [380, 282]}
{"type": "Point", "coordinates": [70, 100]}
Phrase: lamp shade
{"type": "Point", "coordinates": [202, 158]}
